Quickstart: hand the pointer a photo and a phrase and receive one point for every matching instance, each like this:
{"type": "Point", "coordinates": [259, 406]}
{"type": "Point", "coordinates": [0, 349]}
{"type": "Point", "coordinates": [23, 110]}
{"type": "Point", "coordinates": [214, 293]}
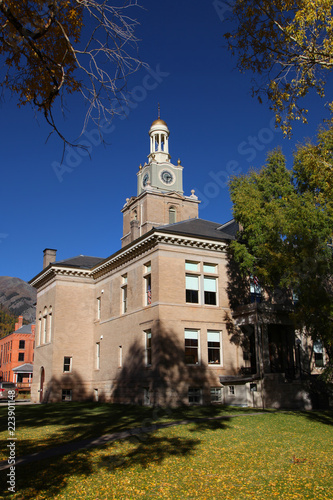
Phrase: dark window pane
{"type": "Point", "coordinates": [210, 298]}
{"type": "Point", "coordinates": [192, 296]}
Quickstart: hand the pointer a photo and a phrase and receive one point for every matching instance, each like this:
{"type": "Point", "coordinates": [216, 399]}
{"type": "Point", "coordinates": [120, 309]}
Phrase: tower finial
{"type": "Point", "coordinates": [159, 111]}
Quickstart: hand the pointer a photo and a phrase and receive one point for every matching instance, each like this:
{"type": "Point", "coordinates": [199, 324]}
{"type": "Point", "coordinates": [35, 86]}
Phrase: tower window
{"type": "Point", "coordinates": [172, 215]}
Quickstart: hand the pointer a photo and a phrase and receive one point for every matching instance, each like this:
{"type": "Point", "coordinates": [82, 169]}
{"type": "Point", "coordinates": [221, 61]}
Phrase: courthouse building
{"type": "Point", "coordinates": [166, 319]}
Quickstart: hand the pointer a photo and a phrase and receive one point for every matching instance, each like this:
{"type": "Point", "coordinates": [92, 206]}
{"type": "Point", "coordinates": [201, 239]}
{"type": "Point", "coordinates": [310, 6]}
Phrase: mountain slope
{"type": "Point", "coordinates": [18, 297]}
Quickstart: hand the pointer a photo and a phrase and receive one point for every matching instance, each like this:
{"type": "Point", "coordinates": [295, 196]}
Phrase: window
{"type": "Point", "coordinates": [67, 364]}
{"type": "Point", "coordinates": [191, 266]}
{"type": "Point", "coordinates": [255, 289]}
{"type": "Point", "coordinates": [148, 347]}
{"type": "Point", "coordinates": [192, 289]}
{"type": "Point", "coordinates": [98, 307]}
{"type": "Point", "coordinates": [44, 325]}
{"type": "Point", "coordinates": [216, 394]}
{"type": "Point", "coordinates": [146, 396]}
{"type": "Point", "coordinates": [148, 267]}
{"type": "Point", "coordinates": [147, 278]}
{"type": "Point", "coordinates": [231, 390]}
{"type": "Point", "coordinates": [210, 290]}
{"type": "Point", "coordinates": [124, 299]}
{"type": "Point", "coordinates": [200, 289]}
{"type": "Point", "coordinates": [120, 356]}
{"type": "Point", "coordinates": [66, 395]}
{"type": "Point", "coordinates": [21, 356]}
{"type": "Point", "coordinates": [39, 328]}
{"type": "Point", "coordinates": [214, 347]}
{"type": "Point", "coordinates": [50, 326]}
{"type": "Point", "coordinates": [172, 215]}
{"type": "Point", "coordinates": [318, 354]}
{"type": "Point", "coordinates": [191, 347]}
{"type": "Point", "coordinates": [98, 355]}
{"type": "Point", "coordinates": [209, 268]}
{"type": "Point", "coordinates": [124, 293]}
{"type": "Point", "coordinates": [194, 395]}
{"type": "Point", "coordinates": [22, 344]}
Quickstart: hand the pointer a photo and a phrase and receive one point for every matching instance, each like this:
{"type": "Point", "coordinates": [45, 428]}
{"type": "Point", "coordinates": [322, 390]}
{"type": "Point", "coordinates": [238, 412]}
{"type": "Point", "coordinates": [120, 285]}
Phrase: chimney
{"type": "Point", "coordinates": [19, 323]}
{"type": "Point", "coordinates": [135, 229]}
{"type": "Point", "coordinates": [49, 256]}
{"type": "Point", "coordinates": [33, 329]}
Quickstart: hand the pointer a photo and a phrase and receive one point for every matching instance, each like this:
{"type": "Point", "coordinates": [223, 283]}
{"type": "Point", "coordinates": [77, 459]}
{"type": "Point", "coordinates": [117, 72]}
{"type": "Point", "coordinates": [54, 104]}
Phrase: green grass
{"type": "Point", "coordinates": [39, 427]}
{"type": "Point", "coordinates": [264, 456]}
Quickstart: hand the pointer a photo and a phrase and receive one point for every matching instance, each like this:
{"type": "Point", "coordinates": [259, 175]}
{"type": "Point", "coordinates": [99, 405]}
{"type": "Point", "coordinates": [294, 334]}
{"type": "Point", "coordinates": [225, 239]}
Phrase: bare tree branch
{"type": "Point", "coordinates": [48, 54]}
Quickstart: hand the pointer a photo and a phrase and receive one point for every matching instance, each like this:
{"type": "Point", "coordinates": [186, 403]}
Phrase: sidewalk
{"type": "Point", "coordinates": [108, 438]}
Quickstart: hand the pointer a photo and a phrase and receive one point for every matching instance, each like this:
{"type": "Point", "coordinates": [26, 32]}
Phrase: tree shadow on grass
{"type": "Point", "coordinates": [322, 417]}
{"type": "Point", "coordinates": [165, 383]}
{"type": "Point", "coordinates": [50, 477]}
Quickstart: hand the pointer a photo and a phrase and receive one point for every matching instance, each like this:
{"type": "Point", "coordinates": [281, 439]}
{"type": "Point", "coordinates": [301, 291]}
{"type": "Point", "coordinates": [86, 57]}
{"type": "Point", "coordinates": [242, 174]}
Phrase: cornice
{"type": "Point", "coordinates": [124, 256]}
{"type": "Point", "coordinates": [157, 192]}
{"type": "Point", "coordinates": [129, 253]}
{"type": "Point", "coordinates": [55, 271]}
{"type": "Point", "coordinates": [189, 241]}
{"type": "Point", "coordinates": [151, 241]}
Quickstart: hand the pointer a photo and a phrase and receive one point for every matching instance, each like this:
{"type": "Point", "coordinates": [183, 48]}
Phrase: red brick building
{"type": "Point", "coordinates": [17, 354]}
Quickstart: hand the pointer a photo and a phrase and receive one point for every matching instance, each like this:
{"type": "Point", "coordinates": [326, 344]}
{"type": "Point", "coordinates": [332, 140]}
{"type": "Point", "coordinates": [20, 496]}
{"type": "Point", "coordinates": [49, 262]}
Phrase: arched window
{"type": "Point", "coordinates": [172, 215]}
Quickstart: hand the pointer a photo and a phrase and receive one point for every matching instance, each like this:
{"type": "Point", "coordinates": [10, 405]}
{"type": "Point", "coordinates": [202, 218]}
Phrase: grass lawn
{"type": "Point", "coordinates": [263, 456]}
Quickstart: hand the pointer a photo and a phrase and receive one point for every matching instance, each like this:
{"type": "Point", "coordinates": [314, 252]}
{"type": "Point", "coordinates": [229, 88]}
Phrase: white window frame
{"type": "Point", "coordinates": [39, 337]}
{"type": "Point", "coordinates": [124, 295]}
{"type": "Point", "coordinates": [99, 307]}
{"type": "Point", "coordinates": [147, 301]}
{"type": "Point", "coordinates": [187, 333]}
{"type": "Point", "coordinates": [50, 326]}
{"type": "Point", "coordinates": [148, 290]}
{"type": "Point", "coordinates": [148, 351]}
{"type": "Point", "coordinates": [70, 364]}
{"type": "Point", "coordinates": [219, 333]}
{"type": "Point", "coordinates": [216, 394]}
{"type": "Point", "coordinates": [205, 280]}
{"type": "Point", "coordinates": [120, 356]}
{"type": "Point", "coordinates": [44, 326]}
{"type": "Point", "coordinates": [98, 355]}
{"type": "Point", "coordinates": [203, 276]}
{"type": "Point", "coordinates": [231, 391]}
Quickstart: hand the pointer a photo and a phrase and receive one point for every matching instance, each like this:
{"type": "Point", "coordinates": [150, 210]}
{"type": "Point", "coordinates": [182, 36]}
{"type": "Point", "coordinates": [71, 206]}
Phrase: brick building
{"type": "Point", "coordinates": [17, 354]}
{"type": "Point", "coordinates": [166, 319]}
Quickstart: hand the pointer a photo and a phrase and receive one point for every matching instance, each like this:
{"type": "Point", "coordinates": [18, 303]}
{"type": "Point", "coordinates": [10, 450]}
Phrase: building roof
{"type": "Point", "coordinates": [81, 261]}
{"type": "Point", "coordinates": [202, 228]}
{"type": "Point", "coordinates": [25, 368]}
{"type": "Point", "coordinates": [24, 329]}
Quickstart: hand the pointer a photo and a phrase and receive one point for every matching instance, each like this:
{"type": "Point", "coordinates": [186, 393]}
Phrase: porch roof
{"type": "Point", "coordinates": [25, 368]}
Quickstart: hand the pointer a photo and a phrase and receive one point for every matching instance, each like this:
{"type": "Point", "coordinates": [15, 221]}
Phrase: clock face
{"type": "Point", "coordinates": [145, 180]}
{"type": "Point", "coordinates": [167, 177]}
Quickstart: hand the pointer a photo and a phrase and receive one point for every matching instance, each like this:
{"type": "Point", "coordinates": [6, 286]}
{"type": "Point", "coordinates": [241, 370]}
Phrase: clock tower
{"type": "Point", "coordinates": [160, 199]}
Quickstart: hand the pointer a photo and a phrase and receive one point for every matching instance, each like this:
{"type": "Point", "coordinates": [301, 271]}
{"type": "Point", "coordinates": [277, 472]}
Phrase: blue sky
{"type": "Point", "coordinates": [216, 129]}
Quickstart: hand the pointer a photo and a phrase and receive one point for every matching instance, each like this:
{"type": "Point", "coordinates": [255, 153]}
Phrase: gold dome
{"type": "Point", "coordinates": [159, 122]}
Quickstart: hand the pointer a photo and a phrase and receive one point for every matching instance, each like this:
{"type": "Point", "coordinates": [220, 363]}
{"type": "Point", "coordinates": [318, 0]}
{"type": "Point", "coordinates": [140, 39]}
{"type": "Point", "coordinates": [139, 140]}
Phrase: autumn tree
{"type": "Point", "coordinates": [289, 46]}
{"type": "Point", "coordinates": [54, 48]}
{"type": "Point", "coordinates": [287, 227]}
